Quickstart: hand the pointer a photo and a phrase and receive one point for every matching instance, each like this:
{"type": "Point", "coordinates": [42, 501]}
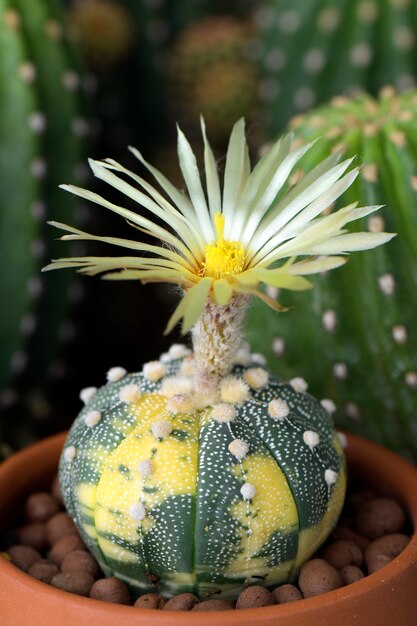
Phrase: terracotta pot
{"type": "Point", "coordinates": [386, 598]}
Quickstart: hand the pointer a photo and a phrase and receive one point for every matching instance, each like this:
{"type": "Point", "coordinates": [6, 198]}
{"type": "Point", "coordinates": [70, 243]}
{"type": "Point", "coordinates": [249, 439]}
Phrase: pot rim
{"type": "Point", "coordinates": [359, 451]}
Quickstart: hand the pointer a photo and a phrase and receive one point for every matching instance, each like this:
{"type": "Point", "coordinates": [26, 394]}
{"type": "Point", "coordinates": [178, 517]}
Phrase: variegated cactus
{"type": "Point", "coordinates": [355, 338]}
{"type": "Point", "coordinates": [203, 472]}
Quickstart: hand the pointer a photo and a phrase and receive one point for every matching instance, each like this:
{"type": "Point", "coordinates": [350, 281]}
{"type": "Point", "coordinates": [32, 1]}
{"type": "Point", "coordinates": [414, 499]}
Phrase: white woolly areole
{"type": "Point", "coordinates": [115, 373]}
{"type": "Point", "coordinates": [248, 491]}
{"type": "Point", "coordinates": [161, 428]}
{"type": "Point", "coordinates": [175, 385]}
{"type": "Point", "coordinates": [343, 439]}
{"type": "Point", "coordinates": [69, 453]}
{"type": "Point", "coordinates": [187, 367]}
{"type": "Point", "coordinates": [130, 393]}
{"type": "Point", "coordinates": [278, 409]}
{"type": "Point", "coordinates": [180, 403]}
{"type": "Point", "coordinates": [137, 512]}
{"type": "Point", "coordinates": [242, 357]}
{"type": "Point", "coordinates": [330, 476]}
{"type": "Point", "coordinates": [299, 384]}
{"type": "Point", "coordinates": [328, 405]}
{"type": "Point", "coordinates": [238, 448]}
{"type": "Point", "coordinates": [145, 467]}
{"type": "Point", "coordinates": [92, 418]}
{"type": "Point", "coordinates": [256, 377]}
{"type": "Point", "coordinates": [258, 358]}
{"type": "Point", "coordinates": [87, 393]}
{"type": "Point", "coordinates": [178, 351]}
{"type": "Point", "coordinates": [223, 413]}
{"type": "Point", "coordinates": [311, 438]}
{"type": "Point", "coordinates": [234, 390]}
{"type": "Point", "coordinates": [154, 371]}
{"type": "Point", "coordinates": [165, 358]}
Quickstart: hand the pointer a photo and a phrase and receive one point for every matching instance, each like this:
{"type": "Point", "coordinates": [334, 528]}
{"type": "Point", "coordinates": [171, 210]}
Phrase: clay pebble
{"type": "Point", "coordinates": [181, 602]}
{"type": "Point", "coordinates": [150, 601]}
{"type": "Point", "coordinates": [343, 552]}
{"type": "Point", "coordinates": [33, 535]}
{"type": "Point", "coordinates": [80, 561]}
{"type": "Point", "coordinates": [79, 583]}
{"type": "Point", "coordinates": [40, 507]}
{"type": "Point", "coordinates": [351, 574]}
{"type": "Point", "coordinates": [255, 596]}
{"type": "Point", "coordinates": [286, 593]}
{"type": "Point", "coordinates": [59, 526]}
{"type": "Point", "coordinates": [65, 546]}
{"type": "Point", "coordinates": [23, 556]}
{"type": "Point", "coordinates": [379, 517]}
{"type": "Point", "coordinates": [318, 576]}
{"type": "Point", "coordinates": [215, 605]}
{"type": "Point", "coordinates": [43, 570]}
{"type": "Point", "coordinates": [110, 590]}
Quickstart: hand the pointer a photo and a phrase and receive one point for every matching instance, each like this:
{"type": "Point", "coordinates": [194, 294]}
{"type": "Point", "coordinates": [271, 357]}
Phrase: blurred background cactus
{"type": "Point", "coordinates": [355, 338]}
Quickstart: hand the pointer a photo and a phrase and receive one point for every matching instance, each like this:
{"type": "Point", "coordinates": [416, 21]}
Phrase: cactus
{"type": "Point", "coordinates": [203, 472]}
{"type": "Point", "coordinates": [315, 50]}
{"type": "Point", "coordinates": [40, 129]}
{"type": "Point", "coordinates": [356, 339]}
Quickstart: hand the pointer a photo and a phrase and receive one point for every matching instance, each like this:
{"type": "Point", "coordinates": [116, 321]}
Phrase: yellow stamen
{"type": "Point", "coordinates": [223, 258]}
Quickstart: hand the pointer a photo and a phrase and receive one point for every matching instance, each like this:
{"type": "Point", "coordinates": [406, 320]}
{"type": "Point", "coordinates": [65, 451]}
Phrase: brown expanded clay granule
{"type": "Point", "coordinates": [80, 561]}
{"type": "Point", "coordinates": [150, 601]}
{"type": "Point", "coordinates": [287, 593]}
{"type": "Point", "coordinates": [318, 576]}
{"type": "Point", "coordinates": [23, 556]}
{"type": "Point", "coordinates": [378, 517]}
{"type": "Point", "coordinates": [33, 535]}
{"type": "Point", "coordinates": [215, 605]}
{"type": "Point", "coordinates": [254, 597]}
{"type": "Point", "coordinates": [43, 570]}
{"type": "Point", "coordinates": [343, 552]}
{"type": "Point", "coordinates": [79, 583]}
{"type": "Point", "coordinates": [59, 526]}
{"type": "Point", "coordinates": [110, 590]}
{"type": "Point", "coordinates": [381, 551]}
{"type": "Point", "coordinates": [351, 574]}
{"type": "Point", "coordinates": [182, 602]}
{"type": "Point", "coordinates": [40, 507]}
{"type": "Point", "coordinates": [65, 546]}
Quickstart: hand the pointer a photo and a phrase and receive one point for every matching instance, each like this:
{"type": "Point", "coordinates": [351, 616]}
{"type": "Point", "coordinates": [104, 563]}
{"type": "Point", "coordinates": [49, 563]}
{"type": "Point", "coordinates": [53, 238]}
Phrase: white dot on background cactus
{"type": "Point", "coordinates": [404, 38]}
{"type": "Point", "coordinates": [161, 428]}
{"type": "Point", "coordinates": [27, 71]}
{"type": "Point", "coordinates": [387, 284]}
{"type": "Point", "coordinates": [69, 453]}
{"type": "Point", "coordinates": [223, 413]}
{"type": "Point", "coordinates": [130, 393]}
{"type": "Point", "coordinates": [367, 11]}
{"type": "Point", "coordinates": [330, 476]}
{"type": "Point", "coordinates": [37, 122]}
{"type": "Point", "coordinates": [328, 19]}
{"type": "Point", "coordinates": [278, 409]}
{"type": "Point", "coordinates": [340, 371]}
{"type": "Point", "coordinates": [248, 491]}
{"type": "Point", "coordinates": [38, 168]}
{"type": "Point", "coordinates": [275, 59]}
{"type": "Point", "coordinates": [289, 21]}
{"type": "Point", "coordinates": [234, 390]}
{"type": "Point", "coordinates": [175, 385]}
{"type": "Point", "coordinates": [311, 438]}
{"type": "Point", "coordinates": [411, 379]}
{"type": "Point", "coordinates": [257, 358]}
{"type": "Point", "coordinates": [70, 80]}
{"type": "Point", "coordinates": [180, 403]}
{"type": "Point", "coordinates": [268, 89]}
{"type": "Point", "coordinates": [352, 410]}
{"type": "Point", "coordinates": [328, 405]}
{"type": "Point", "coordinates": [178, 351]}
{"type": "Point", "coordinates": [238, 448]}
{"type": "Point", "coordinates": [329, 319]}
{"type": "Point", "coordinates": [145, 467]}
{"type": "Point", "coordinates": [115, 374]}
{"type": "Point", "coordinates": [28, 324]}
{"type": "Point", "coordinates": [256, 377]}
{"type": "Point", "coordinates": [304, 97]}
{"type": "Point", "coordinates": [137, 512]}
{"type": "Point", "coordinates": [299, 384]}
{"type": "Point", "coordinates": [154, 371]}
{"type": "Point", "coordinates": [278, 346]}
{"type": "Point", "coordinates": [92, 418]}
{"type": "Point", "coordinates": [361, 55]}
{"type": "Point", "coordinates": [343, 439]}
{"type": "Point", "coordinates": [399, 334]}
{"type": "Point", "coordinates": [376, 224]}
{"type": "Point", "coordinates": [314, 60]}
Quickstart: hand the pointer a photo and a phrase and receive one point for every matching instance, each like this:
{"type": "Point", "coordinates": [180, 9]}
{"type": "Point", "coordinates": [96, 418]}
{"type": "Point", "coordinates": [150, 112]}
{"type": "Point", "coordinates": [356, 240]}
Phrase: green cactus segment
{"type": "Point", "coordinates": [179, 499]}
{"type": "Point", "coordinates": [354, 338]}
{"type": "Point", "coordinates": [314, 50]}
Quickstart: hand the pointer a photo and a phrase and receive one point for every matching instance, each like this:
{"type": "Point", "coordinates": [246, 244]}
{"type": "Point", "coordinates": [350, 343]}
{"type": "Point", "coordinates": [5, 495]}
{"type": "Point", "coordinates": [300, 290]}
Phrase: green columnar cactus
{"type": "Point", "coordinates": [203, 472]}
{"type": "Point", "coordinates": [314, 50]}
{"type": "Point", "coordinates": [355, 339]}
{"type": "Point", "coordinates": [40, 139]}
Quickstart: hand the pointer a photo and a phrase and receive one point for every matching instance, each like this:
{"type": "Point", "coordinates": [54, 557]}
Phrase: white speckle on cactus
{"type": "Point", "coordinates": [275, 59]}
{"type": "Point", "coordinates": [304, 98]}
{"type": "Point", "coordinates": [343, 439]}
{"type": "Point", "coordinates": [37, 248]}
{"type": "Point", "coordinates": [27, 72]}
{"type": "Point", "coordinates": [161, 428]}
{"type": "Point", "coordinates": [28, 324]}
{"type": "Point", "coordinates": [53, 29]}
{"type": "Point", "coordinates": [223, 413]}
{"type": "Point", "coordinates": [92, 418]}
{"type": "Point", "coordinates": [268, 89]}
{"type": "Point", "coordinates": [69, 453]}
{"type": "Point", "coordinates": [115, 374]}
{"type": "Point", "coordinates": [137, 511]}
{"type": "Point", "coordinates": [38, 210]}
{"type": "Point", "coordinates": [249, 532]}
{"type": "Point", "coordinates": [404, 38]}
{"type": "Point", "coordinates": [299, 384]}
{"type": "Point", "coordinates": [146, 468]}
{"type": "Point", "coordinates": [278, 346]}
{"type": "Point", "coordinates": [329, 319]}
{"type": "Point", "coordinates": [361, 54]}
{"type": "Point", "coordinates": [399, 334]}
{"type": "Point", "coordinates": [130, 393]}
{"type": "Point", "coordinates": [340, 371]}
{"type": "Point", "coordinates": [87, 393]}
{"type": "Point", "coordinates": [256, 377]}
{"type": "Point", "coordinates": [311, 438]}
{"type": "Point", "coordinates": [18, 361]}
{"type": "Point", "coordinates": [376, 224]}
{"type": "Point", "coordinates": [289, 21]}
{"type": "Point", "coordinates": [314, 60]}
{"type": "Point", "coordinates": [278, 409]}
{"type": "Point", "coordinates": [37, 122]}
{"type": "Point", "coordinates": [70, 80]}
{"type": "Point", "coordinates": [330, 476]}
{"type": "Point", "coordinates": [413, 182]}
{"type": "Point", "coordinates": [175, 385]}
{"type": "Point", "coordinates": [328, 405]}
{"type": "Point", "coordinates": [238, 448]}
{"type": "Point", "coordinates": [187, 367]}
{"type": "Point", "coordinates": [398, 138]}
{"type": "Point", "coordinates": [35, 286]}
{"type": "Point", "coordinates": [411, 379]}
{"type": "Point", "coordinates": [180, 403]}
{"type": "Point", "coordinates": [242, 357]}
{"type": "Point", "coordinates": [370, 174]}
{"type": "Point", "coordinates": [80, 127]}
{"type": "Point", "coordinates": [367, 11]}
{"type": "Point", "coordinates": [178, 351]}
{"type": "Point", "coordinates": [258, 358]}
{"type": "Point", "coordinates": [352, 410]}
{"type": "Point", "coordinates": [154, 371]}
{"type": "Point", "coordinates": [234, 390]}
{"type": "Point", "coordinates": [387, 284]}
{"type": "Point", "coordinates": [11, 18]}
{"type": "Point", "coordinates": [328, 19]}
{"type": "Point", "coordinates": [248, 491]}
{"type": "Point", "coordinates": [38, 168]}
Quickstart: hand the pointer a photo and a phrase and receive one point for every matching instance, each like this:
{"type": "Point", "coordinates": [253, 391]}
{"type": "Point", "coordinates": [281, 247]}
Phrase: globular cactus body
{"type": "Point", "coordinates": [355, 338]}
{"type": "Point", "coordinates": [171, 498]}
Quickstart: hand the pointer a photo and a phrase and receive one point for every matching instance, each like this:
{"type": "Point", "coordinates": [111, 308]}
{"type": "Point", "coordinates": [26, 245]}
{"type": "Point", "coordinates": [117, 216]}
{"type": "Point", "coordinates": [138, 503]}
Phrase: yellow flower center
{"type": "Point", "coordinates": [224, 257]}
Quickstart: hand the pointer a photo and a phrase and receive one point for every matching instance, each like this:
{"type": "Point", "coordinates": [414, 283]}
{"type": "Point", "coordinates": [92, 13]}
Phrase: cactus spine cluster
{"type": "Point", "coordinates": [363, 319]}
{"type": "Point", "coordinates": [41, 135]}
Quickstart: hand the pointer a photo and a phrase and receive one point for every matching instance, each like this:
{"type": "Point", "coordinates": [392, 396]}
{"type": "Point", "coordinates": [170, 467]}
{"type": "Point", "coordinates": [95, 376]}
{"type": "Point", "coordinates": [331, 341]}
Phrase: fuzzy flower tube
{"type": "Point", "coordinates": [203, 472]}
